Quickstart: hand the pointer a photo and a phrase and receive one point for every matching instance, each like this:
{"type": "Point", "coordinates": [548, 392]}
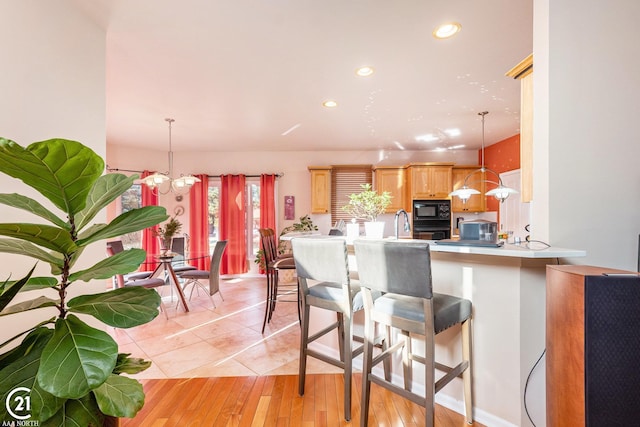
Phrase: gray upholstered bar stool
{"type": "Point", "coordinates": [402, 271]}
{"type": "Point", "coordinates": [323, 275]}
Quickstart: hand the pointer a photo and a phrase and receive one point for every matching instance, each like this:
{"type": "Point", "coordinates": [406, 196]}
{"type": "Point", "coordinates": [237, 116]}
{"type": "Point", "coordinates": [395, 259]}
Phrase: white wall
{"type": "Point", "coordinates": [585, 107]}
{"type": "Point", "coordinates": [53, 85]}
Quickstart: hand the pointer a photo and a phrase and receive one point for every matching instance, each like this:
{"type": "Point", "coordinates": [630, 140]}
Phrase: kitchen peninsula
{"type": "Point", "coordinates": [507, 288]}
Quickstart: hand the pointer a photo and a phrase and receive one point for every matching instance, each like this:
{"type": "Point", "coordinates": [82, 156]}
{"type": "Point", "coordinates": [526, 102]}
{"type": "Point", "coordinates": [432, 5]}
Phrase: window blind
{"type": "Point", "coordinates": [346, 180]}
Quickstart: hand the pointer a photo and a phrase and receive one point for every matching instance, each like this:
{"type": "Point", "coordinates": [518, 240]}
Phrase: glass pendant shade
{"type": "Point", "coordinates": [501, 192]}
{"type": "Point", "coordinates": [464, 193]}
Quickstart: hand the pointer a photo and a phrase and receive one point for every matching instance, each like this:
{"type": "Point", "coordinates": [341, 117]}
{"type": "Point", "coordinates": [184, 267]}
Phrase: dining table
{"type": "Point", "coordinates": [165, 266]}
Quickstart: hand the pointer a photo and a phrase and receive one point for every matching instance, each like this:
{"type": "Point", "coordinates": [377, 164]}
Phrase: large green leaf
{"type": "Point", "coordinates": [130, 365]}
{"type": "Point", "coordinates": [39, 302]}
{"type": "Point", "coordinates": [28, 204]}
{"type": "Point", "coordinates": [77, 359]}
{"type": "Point", "coordinates": [21, 247]}
{"type": "Point", "coordinates": [36, 283]}
{"type": "Point", "coordinates": [9, 291]}
{"type": "Point", "coordinates": [105, 190]}
{"type": "Point", "coordinates": [120, 396]}
{"type": "Point", "coordinates": [61, 170]}
{"type": "Point", "coordinates": [47, 236]}
{"type": "Point", "coordinates": [120, 263]}
{"type": "Point", "coordinates": [128, 222]}
{"type": "Point", "coordinates": [121, 308]}
{"type": "Point", "coordinates": [81, 412]}
{"type": "Point", "coordinates": [22, 370]}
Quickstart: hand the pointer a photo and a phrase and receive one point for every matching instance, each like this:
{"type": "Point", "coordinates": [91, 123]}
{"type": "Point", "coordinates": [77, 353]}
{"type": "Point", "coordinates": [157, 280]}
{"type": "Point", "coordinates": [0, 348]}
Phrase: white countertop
{"type": "Point", "coordinates": [522, 250]}
{"type": "Point", "coordinates": [534, 250]}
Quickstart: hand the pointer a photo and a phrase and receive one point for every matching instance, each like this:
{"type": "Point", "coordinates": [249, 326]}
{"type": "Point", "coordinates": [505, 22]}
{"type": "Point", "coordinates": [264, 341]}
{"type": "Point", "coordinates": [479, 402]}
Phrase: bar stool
{"type": "Point", "coordinates": [273, 264]}
{"type": "Point", "coordinates": [402, 272]}
{"type": "Point", "coordinates": [323, 274]}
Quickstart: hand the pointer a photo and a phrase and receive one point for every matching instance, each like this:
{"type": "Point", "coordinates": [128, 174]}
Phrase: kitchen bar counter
{"type": "Point", "coordinates": [507, 288]}
{"type": "Point", "coordinates": [522, 250]}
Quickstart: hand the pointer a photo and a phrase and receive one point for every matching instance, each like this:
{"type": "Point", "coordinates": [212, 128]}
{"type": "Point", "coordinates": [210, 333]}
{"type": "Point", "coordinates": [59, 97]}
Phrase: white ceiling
{"type": "Point", "coordinates": [237, 74]}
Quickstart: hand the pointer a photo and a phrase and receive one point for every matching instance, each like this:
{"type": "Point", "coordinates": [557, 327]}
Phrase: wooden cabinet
{"type": "Point", "coordinates": [320, 189]}
{"type": "Point", "coordinates": [477, 202]}
{"type": "Point", "coordinates": [524, 72]}
{"type": "Point", "coordinates": [392, 180]}
{"type": "Point", "coordinates": [430, 180]}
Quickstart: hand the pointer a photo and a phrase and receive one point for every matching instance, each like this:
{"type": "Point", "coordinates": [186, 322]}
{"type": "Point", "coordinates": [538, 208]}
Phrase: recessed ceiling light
{"type": "Point", "coordinates": [330, 103]}
{"type": "Point", "coordinates": [364, 71]}
{"type": "Point", "coordinates": [446, 30]}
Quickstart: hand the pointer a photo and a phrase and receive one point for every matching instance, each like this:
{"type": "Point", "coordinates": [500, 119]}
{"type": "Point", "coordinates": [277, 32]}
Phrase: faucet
{"type": "Point", "coordinates": [407, 227]}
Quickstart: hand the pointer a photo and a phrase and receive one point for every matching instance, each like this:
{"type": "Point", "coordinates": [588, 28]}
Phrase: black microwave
{"type": "Point", "coordinates": [432, 210]}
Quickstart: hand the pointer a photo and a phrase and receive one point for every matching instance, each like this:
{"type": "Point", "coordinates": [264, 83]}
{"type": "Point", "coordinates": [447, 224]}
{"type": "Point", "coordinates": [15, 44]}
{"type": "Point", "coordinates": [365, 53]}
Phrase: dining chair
{"type": "Point", "coordinates": [179, 263]}
{"type": "Point", "coordinates": [116, 246]}
{"type": "Point", "coordinates": [193, 277]}
{"type": "Point", "coordinates": [401, 271]}
{"type": "Point", "coordinates": [322, 268]}
{"type": "Point", "coordinates": [273, 263]}
{"type": "Point", "coordinates": [121, 281]}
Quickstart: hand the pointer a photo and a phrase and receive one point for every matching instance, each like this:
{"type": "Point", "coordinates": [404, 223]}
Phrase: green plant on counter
{"type": "Point", "coordinates": [305, 224]}
{"type": "Point", "coordinates": [70, 369]}
{"type": "Point", "coordinates": [367, 204]}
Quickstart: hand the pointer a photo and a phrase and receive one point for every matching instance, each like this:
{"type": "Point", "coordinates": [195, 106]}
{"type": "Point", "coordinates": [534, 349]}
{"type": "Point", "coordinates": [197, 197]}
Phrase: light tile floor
{"type": "Point", "coordinates": [221, 341]}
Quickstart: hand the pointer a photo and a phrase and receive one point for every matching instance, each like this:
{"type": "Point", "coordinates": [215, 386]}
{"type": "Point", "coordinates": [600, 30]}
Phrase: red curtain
{"type": "Point", "coordinates": [199, 223]}
{"type": "Point", "coordinates": [267, 202]}
{"type": "Point", "coordinates": [232, 224]}
{"type": "Point", "coordinates": [149, 240]}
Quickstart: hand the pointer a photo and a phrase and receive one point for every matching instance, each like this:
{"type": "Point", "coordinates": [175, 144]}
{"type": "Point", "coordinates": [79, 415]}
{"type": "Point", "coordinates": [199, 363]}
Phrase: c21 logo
{"type": "Point", "coordinates": [18, 403]}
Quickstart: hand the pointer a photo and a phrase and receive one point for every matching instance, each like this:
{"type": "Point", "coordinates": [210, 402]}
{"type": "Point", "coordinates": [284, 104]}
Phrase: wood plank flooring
{"type": "Point", "coordinates": [273, 401]}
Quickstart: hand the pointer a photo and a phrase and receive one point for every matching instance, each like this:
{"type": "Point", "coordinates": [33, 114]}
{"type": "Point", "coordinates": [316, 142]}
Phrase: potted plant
{"type": "Point", "coordinates": [367, 205]}
{"type": "Point", "coordinates": [305, 224]}
{"type": "Point", "coordinates": [166, 233]}
{"type": "Point", "coordinates": [64, 371]}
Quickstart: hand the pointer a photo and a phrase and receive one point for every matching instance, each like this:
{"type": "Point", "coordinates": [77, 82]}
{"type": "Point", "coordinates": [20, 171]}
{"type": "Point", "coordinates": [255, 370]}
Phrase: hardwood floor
{"type": "Point", "coordinates": [213, 367]}
{"type": "Point", "coordinates": [273, 401]}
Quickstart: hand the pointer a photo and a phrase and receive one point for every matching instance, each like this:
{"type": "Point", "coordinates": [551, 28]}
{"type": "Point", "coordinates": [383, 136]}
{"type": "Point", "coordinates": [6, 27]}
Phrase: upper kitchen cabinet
{"type": "Point", "coordinates": [429, 180]}
{"type": "Point", "coordinates": [477, 202]}
{"type": "Point", "coordinates": [524, 72]}
{"type": "Point", "coordinates": [392, 180]}
{"type": "Point", "coordinates": [320, 189]}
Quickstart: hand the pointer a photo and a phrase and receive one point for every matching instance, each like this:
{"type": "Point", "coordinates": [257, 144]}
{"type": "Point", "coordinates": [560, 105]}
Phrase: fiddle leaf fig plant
{"type": "Point", "coordinates": [67, 370]}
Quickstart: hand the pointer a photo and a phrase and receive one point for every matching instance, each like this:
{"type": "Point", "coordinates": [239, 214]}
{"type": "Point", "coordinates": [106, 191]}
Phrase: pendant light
{"type": "Point", "coordinates": [179, 185]}
{"type": "Point", "coordinates": [501, 192]}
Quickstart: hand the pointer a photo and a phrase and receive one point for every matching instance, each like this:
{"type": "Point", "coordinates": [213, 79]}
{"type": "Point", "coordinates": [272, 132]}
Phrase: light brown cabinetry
{"type": "Point", "coordinates": [392, 180]}
{"type": "Point", "coordinates": [430, 180]}
{"type": "Point", "coordinates": [477, 202]}
{"type": "Point", "coordinates": [524, 72]}
{"type": "Point", "coordinates": [320, 189]}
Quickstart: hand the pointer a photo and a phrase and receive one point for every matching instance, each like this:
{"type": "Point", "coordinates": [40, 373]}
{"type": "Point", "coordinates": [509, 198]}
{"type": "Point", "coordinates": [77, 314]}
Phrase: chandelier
{"type": "Point", "coordinates": [501, 192]}
{"type": "Point", "coordinates": [179, 185]}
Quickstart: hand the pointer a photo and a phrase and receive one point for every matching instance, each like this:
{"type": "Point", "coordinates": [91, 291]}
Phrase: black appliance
{"type": "Point", "coordinates": [432, 219]}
